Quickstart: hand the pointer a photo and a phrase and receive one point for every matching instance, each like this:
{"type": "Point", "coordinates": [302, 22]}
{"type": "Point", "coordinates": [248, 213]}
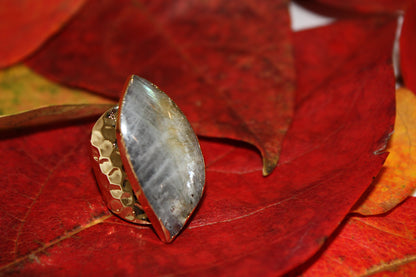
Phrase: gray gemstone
{"type": "Point", "coordinates": [164, 153]}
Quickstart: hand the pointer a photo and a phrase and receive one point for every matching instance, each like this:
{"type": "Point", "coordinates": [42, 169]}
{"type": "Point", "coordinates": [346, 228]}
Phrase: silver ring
{"type": "Point", "coordinates": [147, 160]}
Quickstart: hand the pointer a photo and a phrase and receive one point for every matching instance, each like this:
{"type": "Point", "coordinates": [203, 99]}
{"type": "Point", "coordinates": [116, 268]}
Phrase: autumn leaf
{"type": "Point", "coordinates": [372, 246]}
{"type": "Point", "coordinates": [407, 48]}
{"type": "Point", "coordinates": [397, 180]}
{"type": "Point", "coordinates": [246, 224]}
{"type": "Point", "coordinates": [50, 115]}
{"type": "Point", "coordinates": [228, 65]}
{"type": "Point", "coordinates": [29, 100]}
{"type": "Point", "coordinates": [21, 90]}
{"type": "Point", "coordinates": [403, 268]}
{"type": "Point", "coordinates": [25, 25]}
{"type": "Point", "coordinates": [368, 6]}
{"type": "Point", "coordinates": [49, 190]}
{"type": "Point", "coordinates": [332, 55]}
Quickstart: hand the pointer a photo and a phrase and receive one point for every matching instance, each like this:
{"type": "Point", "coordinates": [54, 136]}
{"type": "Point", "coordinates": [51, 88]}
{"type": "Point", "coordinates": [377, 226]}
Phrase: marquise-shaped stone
{"type": "Point", "coordinates": [161, 156]}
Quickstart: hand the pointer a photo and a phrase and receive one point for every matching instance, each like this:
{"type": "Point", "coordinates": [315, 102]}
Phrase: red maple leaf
{"type": "Point", "coordinates": [376, 246]}
{"type": "Point", "coordinates": [55, 222]}
{"type": "Point", "coordinates": [228, 65]}
{"type": "Point", "coordinates": [26, 25]}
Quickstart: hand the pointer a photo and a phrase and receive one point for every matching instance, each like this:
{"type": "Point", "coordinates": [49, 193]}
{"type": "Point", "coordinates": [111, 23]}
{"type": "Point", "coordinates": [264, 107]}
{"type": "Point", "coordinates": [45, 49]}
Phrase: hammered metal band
{"type": "Point", "coordinates": [114, 184]}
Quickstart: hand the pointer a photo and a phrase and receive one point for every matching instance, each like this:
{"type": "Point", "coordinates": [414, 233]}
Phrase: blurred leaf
{"type": "Point", "coordinates": [51, 115]}
{"type": "Point", "coordinates": [407, 48]}
{"type": "Point", "coordinates": [26, 24]}
{"type": "Point", "coordinates": [21, 90]}
{"type": "Point", "coordinates": [368, 6]}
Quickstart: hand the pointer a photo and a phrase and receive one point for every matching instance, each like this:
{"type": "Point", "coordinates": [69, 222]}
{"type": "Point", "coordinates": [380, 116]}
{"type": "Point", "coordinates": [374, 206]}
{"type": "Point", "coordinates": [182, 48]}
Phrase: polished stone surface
{"type": "Point", "coordinates": [164, 153]}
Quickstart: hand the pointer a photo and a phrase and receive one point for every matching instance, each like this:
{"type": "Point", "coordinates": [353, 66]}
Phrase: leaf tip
{"type": "Point", "coordinates": [269, 164]}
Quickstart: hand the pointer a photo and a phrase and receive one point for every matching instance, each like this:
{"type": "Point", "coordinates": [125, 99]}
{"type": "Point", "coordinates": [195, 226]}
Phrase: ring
{"type": "Point", "coordinates": [147, 160]}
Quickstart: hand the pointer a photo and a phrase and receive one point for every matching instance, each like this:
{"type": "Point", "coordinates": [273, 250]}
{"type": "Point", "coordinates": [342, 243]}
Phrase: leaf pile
{"type": "Point", "coordinates": [318, 107]}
